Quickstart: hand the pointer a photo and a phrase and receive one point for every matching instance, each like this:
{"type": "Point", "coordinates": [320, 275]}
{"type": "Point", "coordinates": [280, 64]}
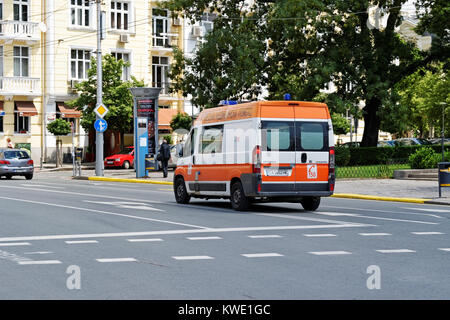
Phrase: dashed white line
{"type": "Point", "coordinates": [81, 241]}
{"type": "Point", "coordinates": [11, 244]}
{"type": "Point", "coordinates": [395, 251]}
{"type": "Point", "coordinates": [192, 257]}
{"type": "Point", "coordinates": [261, 255]}
{"type": "Point", "coordinates": [444, 249]}
{"type": "Point", "coordinates": [427, 233]}
{"type": "Point", "coordinates": [320, 235]}
{"type": "Point", "coordinates": [117, 260]}
{"type": "Point", "coordinates": [263, 236]}
{"type": "Point", "coordinates": [38, 252]}
{"type": "Point", "coordinates": [323, 253]}
{"type": "Point", "coordinates": [145, 240]}
{"type": "Point", "coordinates": [33, 262]}
{"type": "Point", "coordinates": [375, 234]}
{"type": "Point", "coordinates": [203, 238]}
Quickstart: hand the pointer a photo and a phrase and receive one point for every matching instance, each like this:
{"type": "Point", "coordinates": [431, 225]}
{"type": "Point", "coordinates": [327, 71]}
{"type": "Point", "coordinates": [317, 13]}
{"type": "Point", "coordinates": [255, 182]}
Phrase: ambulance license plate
{"type": "Point", "coordinates": [277, 172]}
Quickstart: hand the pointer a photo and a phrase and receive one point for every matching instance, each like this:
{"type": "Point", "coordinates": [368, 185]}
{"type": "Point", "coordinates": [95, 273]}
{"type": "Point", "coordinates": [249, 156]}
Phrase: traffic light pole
{"type": "Point", "coordinates": [99, 135]}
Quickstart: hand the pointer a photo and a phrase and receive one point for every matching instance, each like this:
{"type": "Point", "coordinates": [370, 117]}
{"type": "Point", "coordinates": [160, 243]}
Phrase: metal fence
{"type": "Point", "coordinates": [374, 171]}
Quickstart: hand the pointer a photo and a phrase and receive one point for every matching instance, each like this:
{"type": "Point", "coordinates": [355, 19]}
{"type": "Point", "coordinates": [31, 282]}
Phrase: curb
{"type": "Point", "coordinates": [379, 198]}
{"type": "Point", "coordinates": [123, 180]}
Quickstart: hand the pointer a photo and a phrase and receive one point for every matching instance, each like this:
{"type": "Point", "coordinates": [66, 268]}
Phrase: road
{"type": "Point", "coordinates": [74, 239]}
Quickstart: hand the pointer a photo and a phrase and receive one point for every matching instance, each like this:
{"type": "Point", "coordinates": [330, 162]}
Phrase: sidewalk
{"type": "Point", "coordinates": [415, 191]}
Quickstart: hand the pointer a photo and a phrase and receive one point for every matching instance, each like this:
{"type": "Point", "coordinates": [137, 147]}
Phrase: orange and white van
{"type": "Point", "coordinates": [279, 151]}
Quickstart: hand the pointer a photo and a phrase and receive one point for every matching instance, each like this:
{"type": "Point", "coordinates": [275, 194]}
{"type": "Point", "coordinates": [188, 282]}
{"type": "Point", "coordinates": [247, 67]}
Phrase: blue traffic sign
{"type": "Point", "coordinates": [100, 125]}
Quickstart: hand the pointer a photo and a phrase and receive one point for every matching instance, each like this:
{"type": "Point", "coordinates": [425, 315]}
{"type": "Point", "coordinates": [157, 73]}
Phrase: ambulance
{"type": "Point", "coordinates": [261, 151]}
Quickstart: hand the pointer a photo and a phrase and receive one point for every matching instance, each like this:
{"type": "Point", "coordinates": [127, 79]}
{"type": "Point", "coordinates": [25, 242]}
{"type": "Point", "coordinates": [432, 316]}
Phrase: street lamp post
{"type": "Point", "coordinates": [443, 104]}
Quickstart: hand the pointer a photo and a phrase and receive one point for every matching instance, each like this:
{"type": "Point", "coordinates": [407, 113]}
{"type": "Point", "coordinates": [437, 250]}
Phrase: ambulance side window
{"type": "Point", "coordinates": [211, 139]}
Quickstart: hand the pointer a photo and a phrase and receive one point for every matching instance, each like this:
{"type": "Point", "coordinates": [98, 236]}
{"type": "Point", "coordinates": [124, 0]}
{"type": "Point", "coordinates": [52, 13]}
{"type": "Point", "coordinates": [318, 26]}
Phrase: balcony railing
{"type": "Point", "coordinates": [164, 41]}
{"type": "Point", "coordinates": [20, 86]}
{"type": "Point", "coordinates": [20, 30]}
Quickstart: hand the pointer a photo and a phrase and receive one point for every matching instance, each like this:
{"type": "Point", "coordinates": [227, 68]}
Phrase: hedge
{"type": "Point", "coordinates": [378, 155]}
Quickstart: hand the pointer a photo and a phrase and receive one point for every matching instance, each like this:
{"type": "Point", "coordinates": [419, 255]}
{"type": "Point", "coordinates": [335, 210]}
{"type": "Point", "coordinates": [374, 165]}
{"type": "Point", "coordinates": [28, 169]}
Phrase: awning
{"type": "Point", "coordinates": [67, 112]}
{"type": "Point", "coordinates": [2, 113]}
{"type": "Point", "coordinates": [164, 118]}
{"type": "Point", "coordinates": [26, 108]}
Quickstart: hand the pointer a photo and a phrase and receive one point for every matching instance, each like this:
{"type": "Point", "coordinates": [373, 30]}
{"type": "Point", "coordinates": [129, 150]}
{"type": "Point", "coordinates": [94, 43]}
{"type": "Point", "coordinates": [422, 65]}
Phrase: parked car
{"type": "Point", "coordinates": [385, 143]}
{"type": "Point", "coordinates": [411, 142]}
{"type": "Point", "coordinates": [439, 141]}
{"type": "Point", "coordinates": [351, 144]}
{"type": "Point", "coordinates": [123, 159]}
{"type": "Point", "coordinates": [16, 162]}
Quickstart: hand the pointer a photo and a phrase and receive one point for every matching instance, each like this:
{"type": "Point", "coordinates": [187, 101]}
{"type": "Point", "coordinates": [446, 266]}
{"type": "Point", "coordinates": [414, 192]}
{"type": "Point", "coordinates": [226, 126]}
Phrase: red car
{"type": "Point", "coordinates": [123, 159]}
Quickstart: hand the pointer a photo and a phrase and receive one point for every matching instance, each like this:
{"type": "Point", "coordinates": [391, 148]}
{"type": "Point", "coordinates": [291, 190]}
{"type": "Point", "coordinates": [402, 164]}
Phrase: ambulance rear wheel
{"type": "Point", "coordinates": [239, 201]}
{"type": "Point", "coordinates": [181, 195]}
{"type": "Point", "coordinates": [310, 203]}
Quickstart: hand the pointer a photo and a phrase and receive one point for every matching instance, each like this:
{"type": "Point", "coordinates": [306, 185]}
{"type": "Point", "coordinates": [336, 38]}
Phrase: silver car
{"type": "Point", "coordinates": [15, 162]}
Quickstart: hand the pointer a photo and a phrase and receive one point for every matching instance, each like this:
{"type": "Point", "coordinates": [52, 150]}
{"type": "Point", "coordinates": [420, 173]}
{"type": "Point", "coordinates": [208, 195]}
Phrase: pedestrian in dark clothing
{"type": "Point", "coordinates": [164, 151]}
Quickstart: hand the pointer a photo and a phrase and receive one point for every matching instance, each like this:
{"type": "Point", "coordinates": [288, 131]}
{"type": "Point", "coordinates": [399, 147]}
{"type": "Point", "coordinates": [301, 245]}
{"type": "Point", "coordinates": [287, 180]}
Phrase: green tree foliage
{"type": "Point", "coordinates": [300, 46]}
{"type": "Point", "coordinates": [116, 96]}
{"type": "Point", "coordinates": [340, 124]}
{"type": "Point", "coordinates": [421, 96]}
{"type": "Point", "coordinates": [181, 121]}
{"type": "Point", "coordinates": [59, 127]}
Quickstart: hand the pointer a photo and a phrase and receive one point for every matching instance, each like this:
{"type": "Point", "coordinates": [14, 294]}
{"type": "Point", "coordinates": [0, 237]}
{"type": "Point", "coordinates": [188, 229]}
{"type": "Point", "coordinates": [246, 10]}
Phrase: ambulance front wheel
{"type": "Point", "coordinates": [181, 195]}
{"type": "Point", "coordinates": [239, 201]}
{"type": "Point", "coordinates": [310, 203]}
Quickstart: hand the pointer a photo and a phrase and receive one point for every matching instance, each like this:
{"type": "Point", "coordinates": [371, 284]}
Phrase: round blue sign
{"type": "Point", "coordinates": [100, 125]}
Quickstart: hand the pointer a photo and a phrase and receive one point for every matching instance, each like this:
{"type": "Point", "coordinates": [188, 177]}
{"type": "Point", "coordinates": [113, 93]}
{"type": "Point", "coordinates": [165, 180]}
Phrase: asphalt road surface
{"type": "Point", "coordinates": [73, 239]}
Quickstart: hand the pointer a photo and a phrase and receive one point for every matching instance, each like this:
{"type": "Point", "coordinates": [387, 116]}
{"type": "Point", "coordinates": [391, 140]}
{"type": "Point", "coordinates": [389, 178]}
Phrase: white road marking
{"type": "Point", "coordinates": [325, 253]}
{"type": "Point", "coordinates": [263, 236]}
{"type": "Point", "coordinates": [428, 210]}
{"type": "Point", "coordinates": [192, 257]}
{"type": "Point", "coordinates": [81, 241]}
{"type": "Point", "coordinates": [375, 234]}
{"type": "Point", "coordinates": [320, 235]}
{"type": "Point", "coordinates": [126, 205]}
{"type": "Point", "coordinates": [116, 260]}
{"type": "Point", "coordinates": [336, 214]}
{"type": "Point", "coordinates": [203, 238]}
{"type": "Point", "coordinates": [33, 262]}
{"type": "Point", "coordinates": [145, 240]}
{"type": "Point", "coordinates": [444, 249]}
{"type": "Point", "coordinates": [261, 255]}
{"type": "Point", "coordinates": [38, 252]}
{"type": "Point", "coordinates": [286, 216]}
{"type": "Point", "coordinates": [11, 244]}
{"type": "Point", "coordinates": [396, 251]}
{"type": "Point", "coordinates": [384, 211]}
{"type": "Point", "coordinates": [427, 233]}
{"type": "Point", "coordinates": [166, 232]}
{"type": "Point", "coordinates": [101, 212]}
{"type": "Point", "coordinates": [40, 185]}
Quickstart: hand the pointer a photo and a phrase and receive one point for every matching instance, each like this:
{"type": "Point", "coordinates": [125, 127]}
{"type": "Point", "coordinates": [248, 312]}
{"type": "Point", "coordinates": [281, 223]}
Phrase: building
{"type": "Point", "coordinates": [45, 49]}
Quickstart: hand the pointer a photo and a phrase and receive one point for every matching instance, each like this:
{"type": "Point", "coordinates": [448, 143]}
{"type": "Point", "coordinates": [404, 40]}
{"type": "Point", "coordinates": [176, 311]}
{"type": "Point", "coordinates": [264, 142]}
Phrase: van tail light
{"type": "Point", "coordinates": [331, 160]}
{"type": "Point", "coordinates": [30, 162]}
{"type": "Point", "coordinates": [4, 162]}
{"type": "Point", "coordinates": [257, 159]}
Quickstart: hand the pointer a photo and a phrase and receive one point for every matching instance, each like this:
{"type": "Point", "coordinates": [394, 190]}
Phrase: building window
{"type": "Point", "coordinates": [72, 121]}
{"type": "Point", "coordinates": [79, 12]}
{"type": "Point", "coordinates": [21, 61]}
{"type": "Point", "coordinates": [160, 69]}
{"type": "Point", "coordinates": [21, 123]}
{"type": "Point", "coordinates": [125, 57]}
{"type": "Point", "coordinates": [160, 23]}
{"type": "Point", "coordinates": [21, 10]}
{"type": "Point", "coordinates": [80, 62]}
{"type": "Point", "coordinates": [120, 15]}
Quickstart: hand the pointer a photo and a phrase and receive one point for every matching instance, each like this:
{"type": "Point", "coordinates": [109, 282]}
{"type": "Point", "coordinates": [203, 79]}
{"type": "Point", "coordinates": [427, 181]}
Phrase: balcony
{"type": "Point", "coordinates": [18, 86]}
{"type": "Point", "coordinates": [164, 42]}
{"type": "Point", "coordinates": [19, 30]}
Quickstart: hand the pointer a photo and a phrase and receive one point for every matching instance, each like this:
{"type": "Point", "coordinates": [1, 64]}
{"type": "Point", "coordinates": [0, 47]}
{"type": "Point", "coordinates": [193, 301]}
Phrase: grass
{"type": "Point", "coordinates": [373, 171]}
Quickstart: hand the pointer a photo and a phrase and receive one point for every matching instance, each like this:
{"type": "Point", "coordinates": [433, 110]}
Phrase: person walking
{"type": "Point", "coordinates": [164, 151]}
{"type": "Point", "coordinates": [9, 143]}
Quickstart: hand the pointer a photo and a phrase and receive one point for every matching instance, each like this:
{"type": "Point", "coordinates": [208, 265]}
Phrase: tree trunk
{"type": "Point", "coordinates": [58, 153]}
{"type": "Point", "coordinates": [122, 138]}
{"type": "Point", "coordinates": [371, 123]}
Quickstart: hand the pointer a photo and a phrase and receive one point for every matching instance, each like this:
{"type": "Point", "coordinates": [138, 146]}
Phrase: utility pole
{"type": "Point", "coordinates": [99, 135]}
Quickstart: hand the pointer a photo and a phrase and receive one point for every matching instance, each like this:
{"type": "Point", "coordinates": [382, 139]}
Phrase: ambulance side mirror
{"type": "Point", "coordinates": [180, 153]}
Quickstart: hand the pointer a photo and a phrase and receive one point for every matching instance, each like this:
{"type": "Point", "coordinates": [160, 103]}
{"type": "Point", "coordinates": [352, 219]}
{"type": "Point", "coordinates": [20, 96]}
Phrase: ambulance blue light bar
{"type": "Point", "coordinates": [287, 96]}
{"type": "Point", "coordinates": [227, 102]}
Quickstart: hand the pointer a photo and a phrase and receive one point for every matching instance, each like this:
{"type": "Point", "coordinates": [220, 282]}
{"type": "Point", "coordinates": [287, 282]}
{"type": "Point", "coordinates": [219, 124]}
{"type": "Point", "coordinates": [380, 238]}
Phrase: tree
{"type": "Point", "coordinates": [59, 127]}
{"type": "Point", "coordinates": [181, 121]}
{"type": "Point", "coordinates": [299, 47]}
{"type": "Point", "coordinates": [116, 96]}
